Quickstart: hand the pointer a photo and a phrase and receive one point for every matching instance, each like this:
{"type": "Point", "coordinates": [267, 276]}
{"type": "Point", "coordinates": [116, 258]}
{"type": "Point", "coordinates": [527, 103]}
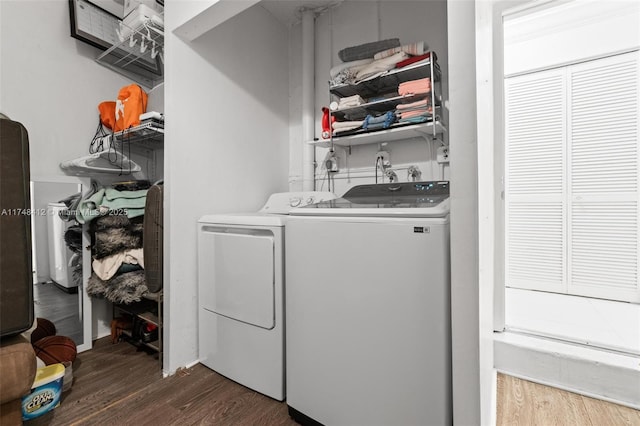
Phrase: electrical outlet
{"type": "Point", "coordinates": [386, 158]}
{"type": "Point", "coordinates": [332, 164]}
{"type": "Point", "coordinates": [442, 155]}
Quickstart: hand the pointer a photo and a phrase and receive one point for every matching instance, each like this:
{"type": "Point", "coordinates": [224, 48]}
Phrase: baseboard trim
{"type": "Point", "coordinates": [588, 371]}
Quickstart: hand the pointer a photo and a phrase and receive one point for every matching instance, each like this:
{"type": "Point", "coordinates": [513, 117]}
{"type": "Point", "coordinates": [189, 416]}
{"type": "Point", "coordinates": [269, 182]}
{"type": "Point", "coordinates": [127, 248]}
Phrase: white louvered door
{"type": "Point", "coordinates": [603, 178]}
{"type": "Point", "coordinates": [571, 179]}
{"type": "Point", "coordinates": [535, 135]}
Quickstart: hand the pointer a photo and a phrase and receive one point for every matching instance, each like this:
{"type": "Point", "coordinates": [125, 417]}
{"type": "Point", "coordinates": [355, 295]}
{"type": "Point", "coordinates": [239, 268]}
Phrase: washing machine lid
{"type": "Point", "coordinates": [406, 199]}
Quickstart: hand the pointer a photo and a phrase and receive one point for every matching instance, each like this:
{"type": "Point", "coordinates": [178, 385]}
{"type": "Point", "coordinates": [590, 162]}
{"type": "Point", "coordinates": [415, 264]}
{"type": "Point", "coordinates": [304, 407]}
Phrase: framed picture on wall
{"type": "Point", "coordinates": [93, 24]}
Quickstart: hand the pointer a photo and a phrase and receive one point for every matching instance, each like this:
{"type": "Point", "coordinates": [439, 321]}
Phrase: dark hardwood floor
{"type": "Point", "coordinates": [120, 385]}
{"type": "Point", "coordinates": [117, 384]}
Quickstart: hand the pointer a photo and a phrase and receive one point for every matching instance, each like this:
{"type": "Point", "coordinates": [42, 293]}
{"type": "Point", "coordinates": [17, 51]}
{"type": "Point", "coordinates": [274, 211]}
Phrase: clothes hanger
{"type": "Point", "coordinates": [103, 162]}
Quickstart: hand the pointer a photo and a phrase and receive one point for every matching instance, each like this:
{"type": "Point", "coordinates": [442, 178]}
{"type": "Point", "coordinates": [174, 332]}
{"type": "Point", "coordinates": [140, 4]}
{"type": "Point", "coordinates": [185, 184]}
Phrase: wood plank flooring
{"type": "Point", "coordinates": [121, 385]}
{"type": "Point", "coordinates": [521, 402]}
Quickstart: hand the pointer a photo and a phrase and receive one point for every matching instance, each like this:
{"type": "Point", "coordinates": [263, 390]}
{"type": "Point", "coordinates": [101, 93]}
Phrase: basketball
{"type": "Point", "coordinates": [55, 349]}
{"type": "Point", "coordinates": [44, 328]}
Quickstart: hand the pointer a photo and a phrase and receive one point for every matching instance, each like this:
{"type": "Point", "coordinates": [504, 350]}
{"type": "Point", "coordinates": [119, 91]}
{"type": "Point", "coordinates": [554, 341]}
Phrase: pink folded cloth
{"type": "Point", "coordinates": [412, 105]}
{"type": "Point", "coordinates": [415, 113]}
{"type": "Point", "coordinates": [422, 85]}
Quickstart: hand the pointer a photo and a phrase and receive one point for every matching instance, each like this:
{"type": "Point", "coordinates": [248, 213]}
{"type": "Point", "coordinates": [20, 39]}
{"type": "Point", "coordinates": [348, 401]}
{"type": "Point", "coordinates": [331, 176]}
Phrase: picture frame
{"type": "Point", "coordinates": [93, 24]}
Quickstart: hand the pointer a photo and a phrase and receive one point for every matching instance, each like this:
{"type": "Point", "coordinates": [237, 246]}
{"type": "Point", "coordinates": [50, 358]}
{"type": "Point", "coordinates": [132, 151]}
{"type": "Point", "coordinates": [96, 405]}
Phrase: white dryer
{"type": "Point", "coordinates": [241, 285]}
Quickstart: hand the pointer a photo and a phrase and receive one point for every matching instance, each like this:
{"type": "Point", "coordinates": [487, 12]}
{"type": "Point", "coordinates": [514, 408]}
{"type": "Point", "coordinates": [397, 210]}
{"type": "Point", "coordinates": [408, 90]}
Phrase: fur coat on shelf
{"type": "Point", "coordinates": [112, 235]}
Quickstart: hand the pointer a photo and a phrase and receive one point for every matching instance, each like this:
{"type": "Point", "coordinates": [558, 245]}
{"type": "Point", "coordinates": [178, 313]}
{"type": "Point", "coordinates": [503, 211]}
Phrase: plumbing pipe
{"type": "Point", "coordinates": [308, 98]}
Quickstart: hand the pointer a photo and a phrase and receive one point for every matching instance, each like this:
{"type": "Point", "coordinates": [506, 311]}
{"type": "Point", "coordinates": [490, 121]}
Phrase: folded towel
{"type": "Point", "coordinates": [350, 101]}
{"type": "Point", "coordinates": [412, 49]}
{"type": "Point", "coordinates": [348, 75]}
{"type": "Point", "coordinates": [367, 50]}
{"type": "Point", "coordinates": [422, 85]}
{"type": "Point", "coordinates": [87, 207]}
{"type": "Point", "coordinates": [414, 120]}
{"type": "Point", "coordinates": [419, 104]}
{"type": "Point", "coordinates": [112, 194]}
{"type": "Point", "coordinates": [333, 72]}
{"type": "Point", "coordinates": [345, 126]}
{"type": "Point", "coordinates": [376, 68]}
{"type": "Point", "coordinates": [104, 201]}
{"type": "Point", "coordinates": [415, 113]}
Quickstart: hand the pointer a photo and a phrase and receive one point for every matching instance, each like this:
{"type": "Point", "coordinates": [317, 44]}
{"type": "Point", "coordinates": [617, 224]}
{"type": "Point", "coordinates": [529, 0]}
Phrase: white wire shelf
{"type": "Point", "coordinates": [148, 135]}
{"type": "Point", "coordinates": [395, 133]}
{"type": "Point", "coordinates": [140, 54]}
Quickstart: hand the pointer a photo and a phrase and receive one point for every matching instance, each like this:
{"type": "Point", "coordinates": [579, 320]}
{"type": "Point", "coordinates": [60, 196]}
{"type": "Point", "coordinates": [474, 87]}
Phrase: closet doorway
{"type": "Point", "coordinates": [571, 173]}
{"type": "Point", "coordinates": [58, 275]}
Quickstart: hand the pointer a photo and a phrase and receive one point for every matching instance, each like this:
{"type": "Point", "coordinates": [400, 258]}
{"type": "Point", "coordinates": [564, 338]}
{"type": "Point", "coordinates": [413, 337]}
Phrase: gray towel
{"type": "Point", "coordinates": [367, 50]}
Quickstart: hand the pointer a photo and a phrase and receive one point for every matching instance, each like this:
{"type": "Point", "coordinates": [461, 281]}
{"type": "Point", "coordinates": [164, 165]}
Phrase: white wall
{"type": "Point", "coordinates": [226, 145]}
{"type": "Point", "coordinates": [349, 24]}
{"type": "Point", "coordinates": [50, 82]}
{"type": "Point", "coordinates": [472, 356]}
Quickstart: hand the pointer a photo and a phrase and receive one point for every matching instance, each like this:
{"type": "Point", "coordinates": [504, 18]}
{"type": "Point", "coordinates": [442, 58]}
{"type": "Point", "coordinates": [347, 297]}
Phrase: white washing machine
{"type": "Point", "coordinates": [241, 285]}
{"type": "Point", "coordinates": [59, 254]}
{"type": "Point", "coordinates": [368, 308]}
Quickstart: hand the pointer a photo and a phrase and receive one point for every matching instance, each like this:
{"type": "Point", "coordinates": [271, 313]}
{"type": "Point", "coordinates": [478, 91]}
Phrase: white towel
{"type": "Point", "coordinates": [415, 49]}
{"type": "Point", "coordinates": [350, 101]}
{"type": "Point", "coordinates": [378, 67]}
{"type": "Point", "coordinates": [107, 267]}
{"type": "Point", "coordinates": [346, 65]}
{"type": "Point", "coordinates": [343, 126]}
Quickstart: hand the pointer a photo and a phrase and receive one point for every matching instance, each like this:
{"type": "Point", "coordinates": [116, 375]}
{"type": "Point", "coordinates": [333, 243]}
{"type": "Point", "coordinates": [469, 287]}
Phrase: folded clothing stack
{"type": "Point", "coordinates": [109, 200]}
{"type": "Point", "coordinates": [379, 66]}
{"type": "Point", "coordinates": [345, 126]}
{"type": "Point", "coordinates": [369, 60]}
{"type": "Point", "coordinates": [414, 87]}
{"type": "Point", "coordinates": [415, 112]}
{"type": "Point", "coordinates": [414, 49]}
{"type": "Point", "coordinates": [348, 102]}
{"type": "Point", "coordinates": [383, 121]}
{"type": "Point", "coordinates": [118, 261]}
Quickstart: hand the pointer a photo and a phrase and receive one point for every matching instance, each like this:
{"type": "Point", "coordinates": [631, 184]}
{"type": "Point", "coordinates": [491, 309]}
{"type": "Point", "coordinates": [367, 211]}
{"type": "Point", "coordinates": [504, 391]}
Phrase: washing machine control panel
{"type": "Point", "coordinates": [283, 202]}
{"type": "Point", "coordinates": [390, 195]}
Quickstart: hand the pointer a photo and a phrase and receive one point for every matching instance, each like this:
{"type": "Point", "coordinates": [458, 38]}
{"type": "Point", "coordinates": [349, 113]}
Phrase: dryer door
{"type": "Point", "coordinates": [236, 274]}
